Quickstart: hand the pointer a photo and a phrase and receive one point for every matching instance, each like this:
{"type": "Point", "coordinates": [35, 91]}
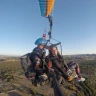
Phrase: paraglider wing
{"type": "Point", "coordinates": [46, 7]}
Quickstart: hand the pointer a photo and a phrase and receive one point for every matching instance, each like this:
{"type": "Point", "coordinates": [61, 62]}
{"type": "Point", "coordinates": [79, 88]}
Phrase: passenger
{"type": "Point", "coordinates": [58, 62]}
{"type": "Point", "coordinates": [56, 59]}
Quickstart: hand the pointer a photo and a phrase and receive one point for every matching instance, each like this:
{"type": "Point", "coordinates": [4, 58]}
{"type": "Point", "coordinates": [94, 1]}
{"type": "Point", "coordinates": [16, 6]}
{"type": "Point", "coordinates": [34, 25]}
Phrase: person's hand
{"type": "Point", "coordinates": [60, 60]}
{"type": "Point", "coordinates": [60, 56]}
{"type": "Point", "coordinates": [51, 70]}
{"type": "Point", "coordinates": [47, 59]}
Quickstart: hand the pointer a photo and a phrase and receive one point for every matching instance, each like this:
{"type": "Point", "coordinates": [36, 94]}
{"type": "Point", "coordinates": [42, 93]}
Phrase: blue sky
{"type": "Point", "coordinates": [74, 24]}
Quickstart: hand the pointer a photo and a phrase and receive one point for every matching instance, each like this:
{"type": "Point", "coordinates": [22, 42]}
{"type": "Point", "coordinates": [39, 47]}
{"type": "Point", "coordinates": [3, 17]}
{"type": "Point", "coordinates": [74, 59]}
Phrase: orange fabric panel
{"type": "Point", "coordinates": [50, 4]}
{"type": "Point", "coordinates": [50, 64]}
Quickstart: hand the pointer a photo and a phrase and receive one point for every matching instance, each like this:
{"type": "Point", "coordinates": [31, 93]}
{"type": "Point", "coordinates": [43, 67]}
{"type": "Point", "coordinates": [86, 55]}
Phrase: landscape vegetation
{"type": "Point", "coordinates": [14, 83]}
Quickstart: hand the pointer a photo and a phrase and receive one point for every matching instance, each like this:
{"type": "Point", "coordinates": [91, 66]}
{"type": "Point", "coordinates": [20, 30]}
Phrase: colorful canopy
{"type": "Point", "coordinates": [46, 7]}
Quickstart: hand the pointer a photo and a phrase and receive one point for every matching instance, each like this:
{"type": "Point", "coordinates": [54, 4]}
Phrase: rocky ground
{"type": "Point", "coordinates": [14, 83]}
{"type": "Point", "coordinates": [23, 87]}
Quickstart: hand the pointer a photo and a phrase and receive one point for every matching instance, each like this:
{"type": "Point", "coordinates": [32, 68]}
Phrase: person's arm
{"type": "Point", "coordinates": [56, 64]}
{"type": "Point", "coordinates": [63, 61]}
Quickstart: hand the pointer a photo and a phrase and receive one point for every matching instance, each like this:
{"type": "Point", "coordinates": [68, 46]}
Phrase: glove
{"type": "Point", "coordinates": [51, 70]}
{"type": "Point", "coordinates": [47, 59]}
{"type": "Point", "coordinates": [60, 60]}
{"type": "Point", "coordinates": [61, 57]}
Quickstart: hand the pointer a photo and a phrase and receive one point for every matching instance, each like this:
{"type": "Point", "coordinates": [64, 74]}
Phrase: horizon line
{"type": "Point", "coordinates": [62, 54]}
